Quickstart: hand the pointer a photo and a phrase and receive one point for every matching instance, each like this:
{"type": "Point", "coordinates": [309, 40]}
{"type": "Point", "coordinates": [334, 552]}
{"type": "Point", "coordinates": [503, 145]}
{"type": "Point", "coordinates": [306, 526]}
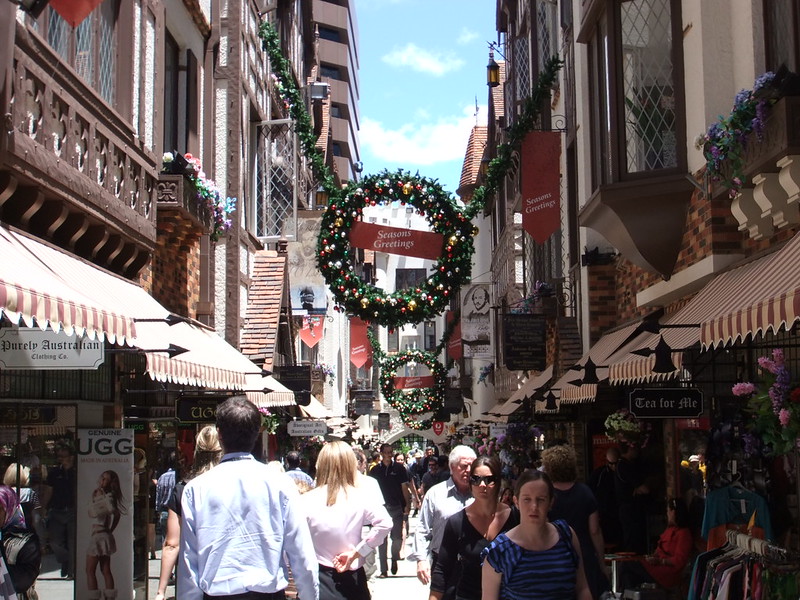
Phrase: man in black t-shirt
{"type": "Point", "coordinates": [393, 480]}
{"type": "Point", "coordinates": [60, 505]}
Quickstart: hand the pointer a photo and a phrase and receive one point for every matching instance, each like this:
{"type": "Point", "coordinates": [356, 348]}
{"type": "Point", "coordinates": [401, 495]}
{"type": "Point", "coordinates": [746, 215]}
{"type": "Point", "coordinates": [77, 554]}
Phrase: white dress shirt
{"type": "Point", "coordinates": [238, 521]}
{"type": "Point", "coordinates": [441, 501]}
{"type": "Point", "coordinates": [338, 528]}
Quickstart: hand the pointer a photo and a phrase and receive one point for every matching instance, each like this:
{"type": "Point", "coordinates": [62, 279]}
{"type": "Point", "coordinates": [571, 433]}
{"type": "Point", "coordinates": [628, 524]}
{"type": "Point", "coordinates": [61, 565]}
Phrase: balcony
{"type": "Point", "coordinates": [771, 200]}
{"type": "Point", "coordinates": [179, 207]}
{"type": "Point", "coordinates": [72, 169]}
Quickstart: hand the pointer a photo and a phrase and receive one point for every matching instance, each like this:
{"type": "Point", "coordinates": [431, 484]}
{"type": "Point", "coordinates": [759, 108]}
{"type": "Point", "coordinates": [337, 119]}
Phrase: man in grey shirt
{"type": "Point", "coordinates": [441, 501]}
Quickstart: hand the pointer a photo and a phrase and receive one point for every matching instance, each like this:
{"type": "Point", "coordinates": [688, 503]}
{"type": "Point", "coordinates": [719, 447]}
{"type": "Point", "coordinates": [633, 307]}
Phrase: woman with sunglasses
{"type": "Point", "coordinates": [468, 532]}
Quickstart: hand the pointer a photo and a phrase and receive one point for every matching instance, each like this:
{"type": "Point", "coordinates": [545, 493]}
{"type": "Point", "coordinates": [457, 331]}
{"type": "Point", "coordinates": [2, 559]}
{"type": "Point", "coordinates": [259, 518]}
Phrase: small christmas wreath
{"type": "Point", "coordinates": [414, 402]}
{"type": "Point", "coordinates": [412, 305]}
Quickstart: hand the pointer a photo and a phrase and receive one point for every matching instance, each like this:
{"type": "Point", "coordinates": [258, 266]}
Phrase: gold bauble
{"type": "Point", "coordinates": [339, 222]}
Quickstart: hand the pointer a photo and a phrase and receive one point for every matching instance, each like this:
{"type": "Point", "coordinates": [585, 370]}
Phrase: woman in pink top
{"type": "Point", "coordinates": [337, 511]}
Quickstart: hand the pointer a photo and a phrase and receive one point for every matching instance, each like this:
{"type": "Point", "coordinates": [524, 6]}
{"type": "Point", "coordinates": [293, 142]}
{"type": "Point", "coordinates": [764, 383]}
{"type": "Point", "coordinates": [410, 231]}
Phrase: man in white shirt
{"type": "Point", "coordinates": [441, 501]}
{"type": "Point", "coordinates": [239, 520]}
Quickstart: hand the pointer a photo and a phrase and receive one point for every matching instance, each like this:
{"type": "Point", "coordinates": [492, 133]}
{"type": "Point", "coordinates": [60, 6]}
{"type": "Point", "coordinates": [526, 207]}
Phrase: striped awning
{"type": "Point", "coordinates": [532, 385]}
{"type": "Point", "coordinates": [600, 354]}
{"type": "Point", "coordinates": [316, 409]}
{"type": "Point", "coordinates": [43, 286]}
{"type": "Point", "coordinates": [768, 300]}
{"type": "Point", "coordinates": [721, 296]}
{"type": "Point", "coordinates": [279, 394]}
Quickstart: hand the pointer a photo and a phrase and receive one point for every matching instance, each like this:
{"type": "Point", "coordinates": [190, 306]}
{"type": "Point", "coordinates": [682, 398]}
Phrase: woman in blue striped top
{"type": "Point", "coordinates": [536, 559]}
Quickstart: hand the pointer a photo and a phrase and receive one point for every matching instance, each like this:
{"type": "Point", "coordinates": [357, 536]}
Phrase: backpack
{"type": "Point", "coordinates": [23, 555]}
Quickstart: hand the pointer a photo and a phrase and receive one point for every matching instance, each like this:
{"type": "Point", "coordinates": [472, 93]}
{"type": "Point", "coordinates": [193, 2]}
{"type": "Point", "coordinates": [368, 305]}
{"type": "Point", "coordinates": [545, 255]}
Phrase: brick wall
{"type": "Point", "coordinates": [176, 266]}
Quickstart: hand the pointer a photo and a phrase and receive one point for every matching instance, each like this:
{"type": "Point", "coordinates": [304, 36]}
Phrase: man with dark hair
{"type": "Point", "coordinates": [59, 501]}
{"type": "Point", "coordinates": [239, 520]}
{"type": "Point", "coordinates": [293, 469]}
{"type": "Point", "coordinates": [393, 479]}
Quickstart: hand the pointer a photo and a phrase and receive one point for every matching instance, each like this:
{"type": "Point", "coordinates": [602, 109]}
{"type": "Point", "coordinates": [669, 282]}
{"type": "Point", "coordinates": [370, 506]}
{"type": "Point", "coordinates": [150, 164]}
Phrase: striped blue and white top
{"type": "Point", "coordinates": [535, 575]}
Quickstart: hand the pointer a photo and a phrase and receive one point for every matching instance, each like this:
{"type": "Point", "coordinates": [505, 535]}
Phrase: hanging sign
{"type": "Point", "coordinates": [74, 11]}
{"type": "Point", "coordinates": [476, 321]}
{"type": "Point", "coordinates": [541, 184]}
{"type": "Point", "coordinates": [666, 403]}
{"type": "Point", "coordinates": [408, 383]}
{"type": "Point", "coordinates": [32, 348]}
{"type": "Point", "coordinates": [525, 342]}
{"type": "Point", "coordinates": [393, 240]}
{"type": "Point", "coordinates": [306, 428]}
{"type": "Point", "coordinates": [311, 333]}
{"type": "Point", "coordinates": [454, 348]}
{"type": "Point", "coordinates": [438, 427]}
{"type": "Point", "coordinates": [360, 349]}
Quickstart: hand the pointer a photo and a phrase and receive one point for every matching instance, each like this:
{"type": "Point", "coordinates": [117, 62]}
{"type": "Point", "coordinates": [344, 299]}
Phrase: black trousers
{"type": "Point", "coordinates": [350, 585]}
{"type": "Point", "coordinates": [395, 537]}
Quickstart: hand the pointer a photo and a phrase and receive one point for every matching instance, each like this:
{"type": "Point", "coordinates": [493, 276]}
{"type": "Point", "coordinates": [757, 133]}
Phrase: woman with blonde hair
{"type": "Point", "coordinates": [18, 478]}
{"type": "Point", "coordinates": [337, 510]}
{"type": "Point", "coordinates": [207, 453]}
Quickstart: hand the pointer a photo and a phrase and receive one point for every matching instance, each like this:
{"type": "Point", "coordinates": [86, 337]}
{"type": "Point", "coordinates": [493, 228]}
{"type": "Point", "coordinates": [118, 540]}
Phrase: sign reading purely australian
{"type": "Point", "coordinates": [666, 403]}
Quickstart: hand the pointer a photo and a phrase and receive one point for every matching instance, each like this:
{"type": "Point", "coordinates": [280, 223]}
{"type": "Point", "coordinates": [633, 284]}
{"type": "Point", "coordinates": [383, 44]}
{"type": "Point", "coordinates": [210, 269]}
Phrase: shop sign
{"type": "Point", "coordinates": [29, 414]}
{"type": "Point", "coordinates": [306, 428]}
{"type": "Point", "coordinates": [197, 410]}
{"type": "Point", "coordinates": [105, 470]}
{"type": "Point", "coordinates": [666, 403]}
{"type": "Point", "coordinates": [497, 430]}
{"type": "Point", "coordinates": [31, 348]}
{"type": "Point", "coordinates": [525, 342]}
{"type": "Point", "coordinates": [363, 401]}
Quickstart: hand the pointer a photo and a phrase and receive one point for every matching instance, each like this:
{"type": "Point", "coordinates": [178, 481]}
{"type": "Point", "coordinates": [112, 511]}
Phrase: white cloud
{"type": "Point", "coordinates": [422, 60]}
{"type": "Point", "coordinates": [420, 143]}
{"type": "Point", "coordinates": [466, 36]}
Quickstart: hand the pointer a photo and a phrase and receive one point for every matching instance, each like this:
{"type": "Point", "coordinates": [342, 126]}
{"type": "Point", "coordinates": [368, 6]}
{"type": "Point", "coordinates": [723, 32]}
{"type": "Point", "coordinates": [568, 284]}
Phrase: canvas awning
{"type": "Point", "coordinates": [43, 286]}
{"type": "Point", "coordinates": [599, 353]}
{"type": "Point", "coordinates": [316, 410]}
{"type": "Point", "coordinates": [532, 385]}
{"type": "Point", "coordinates": [278, 394]}
{"type": "Point", "coordinates": [768, 300]}
{"type": "Point", "coordinates": [721, 296]}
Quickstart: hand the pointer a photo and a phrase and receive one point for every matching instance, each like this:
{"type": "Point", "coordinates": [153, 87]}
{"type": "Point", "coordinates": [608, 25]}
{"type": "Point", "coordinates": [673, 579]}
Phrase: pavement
{"type": "Point", "coordinates": [51, 586]}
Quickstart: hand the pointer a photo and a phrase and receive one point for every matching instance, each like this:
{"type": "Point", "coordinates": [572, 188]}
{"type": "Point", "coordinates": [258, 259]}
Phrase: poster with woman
{"type": "Point", "coordinates": [104, 540]}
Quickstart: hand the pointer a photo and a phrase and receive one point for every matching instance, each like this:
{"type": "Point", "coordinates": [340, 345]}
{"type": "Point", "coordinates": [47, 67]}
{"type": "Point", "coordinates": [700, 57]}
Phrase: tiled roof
{"type": "Point", "coordinates": [264, 300]}
{"type": "Point", "coordinates": [472, 158]}
{"type": "Point", "coordinates": [498, 95]}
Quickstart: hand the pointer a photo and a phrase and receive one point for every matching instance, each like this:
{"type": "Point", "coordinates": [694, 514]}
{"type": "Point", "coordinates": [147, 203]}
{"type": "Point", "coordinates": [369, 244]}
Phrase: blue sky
{"type": "Point", "coordinates": [422, 65]}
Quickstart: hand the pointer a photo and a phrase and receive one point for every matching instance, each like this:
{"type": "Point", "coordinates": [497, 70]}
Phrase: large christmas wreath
{"type": "Point", "coordinates": [412, 404]}
{"type": "Point", "coordinates": [412, 305]}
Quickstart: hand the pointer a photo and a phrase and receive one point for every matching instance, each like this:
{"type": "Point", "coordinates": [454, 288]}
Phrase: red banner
{"type": "Point", "coordinates": [393, 240]}
{"type": "Point", "coordinates": [410, 383]}
{"type": "Point", "coordinates": [454, 348]}
{"type": "Point", "coordinates": [541, 184]}
{"type": "Point", "coordinates": [438, 427]}
{"type": "Point", "coordinates": [360, 349]}
{"type": "Point", "coordinates": [74, 11]}
{"type": "Point", "coordinates": [311, 333]}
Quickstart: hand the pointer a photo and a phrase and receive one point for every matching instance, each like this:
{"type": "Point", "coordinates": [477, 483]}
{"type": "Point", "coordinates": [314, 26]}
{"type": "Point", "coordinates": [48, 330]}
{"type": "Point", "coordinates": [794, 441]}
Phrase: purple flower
{"type": "Point", "coordinates": [784, 416]}
{"type": "Point", "coordinates": [763, 80]}
{"type": "Point", "coordinates": [767, 364]}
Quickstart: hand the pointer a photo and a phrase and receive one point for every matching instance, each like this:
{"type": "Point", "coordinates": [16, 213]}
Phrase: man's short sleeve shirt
{"type": "Point", "coordinates": [391, 479]}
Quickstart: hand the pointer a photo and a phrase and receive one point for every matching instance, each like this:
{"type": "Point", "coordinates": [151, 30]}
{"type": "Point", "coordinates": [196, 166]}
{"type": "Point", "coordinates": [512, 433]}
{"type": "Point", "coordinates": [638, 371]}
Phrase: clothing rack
{"type": "Point", "coordinates": [760, 547]}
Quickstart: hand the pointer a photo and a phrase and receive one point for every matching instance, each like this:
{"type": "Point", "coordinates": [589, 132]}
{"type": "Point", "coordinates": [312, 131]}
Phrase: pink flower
{"type": "Point", "coordinates": [743, 389]}
{"type": "Point", "coordinates": [777, 356]}
{"type": "Point", "coordinates": [784, 417]}
{"type": "Point", "coordinates": [767, 364]}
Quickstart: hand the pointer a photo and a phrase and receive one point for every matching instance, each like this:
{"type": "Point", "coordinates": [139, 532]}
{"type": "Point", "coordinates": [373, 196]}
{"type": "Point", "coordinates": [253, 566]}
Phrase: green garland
{"type": "Point", "coordinates": [412, 305]}
{"type": "Point", "coordinates": [412, 404]}
{"type": "Point", "coordinates": [523, 125]}
{"type": "Point", "coordinates": [334, 257]}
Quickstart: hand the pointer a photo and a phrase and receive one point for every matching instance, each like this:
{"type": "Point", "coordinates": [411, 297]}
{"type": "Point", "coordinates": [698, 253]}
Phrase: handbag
{"type": "Point", "coordinates": [23, 557]}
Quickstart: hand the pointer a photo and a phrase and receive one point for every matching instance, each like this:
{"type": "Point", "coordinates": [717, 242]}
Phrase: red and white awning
{"type": "Point", "coordinates": [41, 285]}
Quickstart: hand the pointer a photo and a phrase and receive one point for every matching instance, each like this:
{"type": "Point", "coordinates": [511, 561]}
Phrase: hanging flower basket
{"type": "Point", "coordinates": [624, 426]}
{"type": "Point", "coordinates": [269, 422]}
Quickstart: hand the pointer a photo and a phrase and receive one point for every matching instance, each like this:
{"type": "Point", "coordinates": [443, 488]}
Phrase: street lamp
{"type": "Point", "coordinates": [492, 71]}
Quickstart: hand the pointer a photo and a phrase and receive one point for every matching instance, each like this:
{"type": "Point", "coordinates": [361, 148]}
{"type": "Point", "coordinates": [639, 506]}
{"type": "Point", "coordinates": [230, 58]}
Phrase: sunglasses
{"type": "Point", "coordinates": [483, 479]}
